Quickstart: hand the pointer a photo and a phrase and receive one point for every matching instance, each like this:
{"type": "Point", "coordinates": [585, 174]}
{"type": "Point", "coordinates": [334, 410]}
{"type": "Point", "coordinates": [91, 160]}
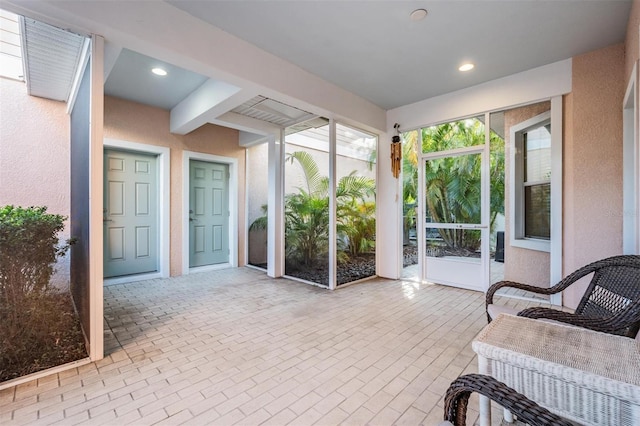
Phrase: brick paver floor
{"type": "Point", "coordinates": [235, 347]}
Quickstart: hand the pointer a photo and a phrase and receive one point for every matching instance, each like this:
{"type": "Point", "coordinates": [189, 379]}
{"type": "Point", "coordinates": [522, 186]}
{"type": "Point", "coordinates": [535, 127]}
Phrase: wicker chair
{"type": "Point", "coordinates": [457, 399]}
{"type": "Point", "coordinates": [610, 304]}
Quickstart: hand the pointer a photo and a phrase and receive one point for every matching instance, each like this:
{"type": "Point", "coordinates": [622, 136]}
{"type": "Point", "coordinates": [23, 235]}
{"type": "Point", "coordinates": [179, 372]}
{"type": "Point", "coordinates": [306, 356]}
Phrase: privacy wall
{"type": "Point", "coordinates": [80, 161]}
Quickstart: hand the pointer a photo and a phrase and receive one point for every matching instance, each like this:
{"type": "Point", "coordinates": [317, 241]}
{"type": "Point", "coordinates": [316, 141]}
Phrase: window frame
{"type": "Point", "coordinates": [517, 184]}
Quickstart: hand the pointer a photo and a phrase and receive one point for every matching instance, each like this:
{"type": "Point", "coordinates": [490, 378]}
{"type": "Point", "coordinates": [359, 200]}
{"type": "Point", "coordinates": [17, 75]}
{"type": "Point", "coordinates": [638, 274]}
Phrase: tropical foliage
{"type": "Point", "coordinates": [307, 215]}
{"type": "Point", "coordinates": [452, 184]}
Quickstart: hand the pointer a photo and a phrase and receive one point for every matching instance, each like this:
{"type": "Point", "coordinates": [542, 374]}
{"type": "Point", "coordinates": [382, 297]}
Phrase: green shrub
{"type": "Point", "coordinates": [28, 251]}
{"type": "Point", "coordinates": [38, 326]}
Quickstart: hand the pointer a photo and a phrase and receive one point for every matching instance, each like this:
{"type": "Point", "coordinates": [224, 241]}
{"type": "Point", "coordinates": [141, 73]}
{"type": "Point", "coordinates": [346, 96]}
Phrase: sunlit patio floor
{"type": "Point", "coordinates": [236, 347]}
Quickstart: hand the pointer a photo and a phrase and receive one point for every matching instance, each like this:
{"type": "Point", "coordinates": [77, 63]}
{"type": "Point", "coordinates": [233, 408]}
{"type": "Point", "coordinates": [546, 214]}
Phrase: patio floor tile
{"type": "Point", "coordinates": [235, 347]}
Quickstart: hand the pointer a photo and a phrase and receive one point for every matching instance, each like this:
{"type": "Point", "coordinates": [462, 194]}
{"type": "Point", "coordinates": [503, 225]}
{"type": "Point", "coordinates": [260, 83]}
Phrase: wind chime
{"type": "Point", "coordinates": [396, 152]}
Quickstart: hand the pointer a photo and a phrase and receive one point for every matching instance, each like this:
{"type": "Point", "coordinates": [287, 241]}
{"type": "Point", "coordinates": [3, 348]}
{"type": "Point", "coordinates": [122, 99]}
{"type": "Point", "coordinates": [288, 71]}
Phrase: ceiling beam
{"type": "Point", "coordinates": [246, 124]}
{"type": "Point", "coordinates": [199, 47]}
{"type": "Point", "coordinates": [205, 104]}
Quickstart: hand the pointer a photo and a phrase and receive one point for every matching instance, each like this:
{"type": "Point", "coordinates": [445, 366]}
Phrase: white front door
{"type": "Point", "coordinates": [208, 213]}
{"type": "Point", "coordinates": [130, 213]}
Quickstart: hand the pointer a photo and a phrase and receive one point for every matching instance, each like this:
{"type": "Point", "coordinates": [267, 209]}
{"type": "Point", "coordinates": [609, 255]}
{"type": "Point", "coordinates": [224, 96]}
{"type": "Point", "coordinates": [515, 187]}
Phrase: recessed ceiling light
{"type": "Point", "coordinates": [466, 67]}
{"type": "Point", "coordinates": [159, 71]}
{"type": "Point", "coordinates": [418, 14]}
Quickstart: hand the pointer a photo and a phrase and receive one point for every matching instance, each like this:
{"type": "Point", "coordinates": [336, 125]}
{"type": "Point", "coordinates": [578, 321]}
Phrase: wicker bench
{"type": "Point", "coordinates": [580, 374]}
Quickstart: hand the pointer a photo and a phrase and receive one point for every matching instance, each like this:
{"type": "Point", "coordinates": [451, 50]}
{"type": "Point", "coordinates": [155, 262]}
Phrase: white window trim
{"type": "Point", "coordinates": [516, 193]}
{"type": "Point", "coordinates": [630, 224]}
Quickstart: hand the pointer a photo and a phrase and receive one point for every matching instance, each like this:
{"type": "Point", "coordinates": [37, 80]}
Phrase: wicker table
{"type": "Point", "coordinates": [586, 376]}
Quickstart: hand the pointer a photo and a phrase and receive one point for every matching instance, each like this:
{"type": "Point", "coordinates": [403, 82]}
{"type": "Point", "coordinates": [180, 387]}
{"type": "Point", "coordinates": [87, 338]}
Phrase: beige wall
{"type": "Point", "coordinates": [593, 161]}
{"type": "Point", "coordinates": [34, 157]}
{"type": "Point", "coordinates": [522, 265]}
{"type": "Point", "coordinates": [257, 169]}
{"type": "Point", "coordinates": [34, 134]}
{"type": "Point", "coordinates": [139, 123]}
{"type": "Point", "coordinates": [631, 43]}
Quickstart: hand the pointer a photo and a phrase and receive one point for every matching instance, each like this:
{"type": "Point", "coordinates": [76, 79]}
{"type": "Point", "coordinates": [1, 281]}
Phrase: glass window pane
{"type": "Point", "coordinates": [307, 201]}
{"type": "Point", "coordinates": [537, 154]}
{"type": "Point", "coordinates": [355, 204]}
{"type": "Point", "coordinates": [257, 182]}
{"type": "Point", "coordinates": [453, 189]}
{"type": "Point", "coordinates": [440, 242]}
{"type": "Point", "coordinates": [537, 205]}
{"type": "Point", "coordinates": [457, 134]}
{"type": "Point", "coordinates": [410, 161]}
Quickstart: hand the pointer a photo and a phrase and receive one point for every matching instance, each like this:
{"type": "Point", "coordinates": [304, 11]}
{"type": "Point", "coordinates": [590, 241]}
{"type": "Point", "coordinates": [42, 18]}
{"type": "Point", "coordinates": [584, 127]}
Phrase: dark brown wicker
{"type": "Point", "coordinates": [611, 302]}
{"type": "Point", "coordinates": [457, 399]}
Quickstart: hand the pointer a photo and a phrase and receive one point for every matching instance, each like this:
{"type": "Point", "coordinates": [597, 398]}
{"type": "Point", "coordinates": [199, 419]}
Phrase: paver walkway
{"type": "Point", "coordinates": [235, 347]}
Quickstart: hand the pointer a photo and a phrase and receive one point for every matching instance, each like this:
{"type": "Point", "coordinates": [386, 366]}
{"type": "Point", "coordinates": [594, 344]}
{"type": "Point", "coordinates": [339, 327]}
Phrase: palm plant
{"type": "Point", "coordinates": [307, 215]}
{"type": "Point", "coordinates": [452, 192]}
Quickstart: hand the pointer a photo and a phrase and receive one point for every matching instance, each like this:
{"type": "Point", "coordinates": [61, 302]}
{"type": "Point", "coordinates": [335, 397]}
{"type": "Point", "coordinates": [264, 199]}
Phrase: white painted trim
{"type": "Point", "coordinates": [555, 255]}
{"type": "Point", "coordinates": [420, 216]}
{"type": "Point", "coordinates": [208, 268]}
{"type": "Point", "coordinates": [333, 234]}
{"type": "Point", "coordinates": [44, 373]}
{"type": "Point", "coordinates": [630, 225]}
{"type": "Point", "coordinates": [233, 209]}
{"type": "Point", "coordinates": [77, 79]}
{"type": "Point", "coordinates": [164, 206]}
{"type": "Point", "coordinates": [300, 280]}
{"type": "Point", "coordinates": [275, 207]}
{"type": "Point", "coordinates": [485, 197]}
{"type": "Point", "coordinates": [516, 198]}
{"type": "Point", "coordinates": [517, 89]}
{"type": "Point", "coordinates": [96, 158]}
{"type": "Point", "coordinates": [457, 152]}
{"type": "Point", "coordinates": [245, 255]}
{"type": "Point", "coordinates": [131, 278]}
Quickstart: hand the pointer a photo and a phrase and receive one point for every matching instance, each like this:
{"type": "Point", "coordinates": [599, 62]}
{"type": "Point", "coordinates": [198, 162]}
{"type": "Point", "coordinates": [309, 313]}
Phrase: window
{"type": "Point", "coordinates": [531, 171]}
{"type": "Point", "coordinates": [10, 50]}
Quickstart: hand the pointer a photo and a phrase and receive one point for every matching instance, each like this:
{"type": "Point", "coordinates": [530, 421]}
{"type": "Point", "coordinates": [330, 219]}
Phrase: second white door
{"type": "Point", "coordinates": [208, 213]}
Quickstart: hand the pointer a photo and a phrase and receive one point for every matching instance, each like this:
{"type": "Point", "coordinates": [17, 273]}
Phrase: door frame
{"type": "Point", "coordinates": [163, 162]}
{"type": "Point", "coordinates": [483, 226]}
{"type": "Point", "coordinates": [187, 156]}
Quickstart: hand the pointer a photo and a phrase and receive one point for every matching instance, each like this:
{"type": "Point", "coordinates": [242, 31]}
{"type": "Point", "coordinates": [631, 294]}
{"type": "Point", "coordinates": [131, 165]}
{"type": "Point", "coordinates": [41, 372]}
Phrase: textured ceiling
{"type": "Point", "coordinates": [373, 49]}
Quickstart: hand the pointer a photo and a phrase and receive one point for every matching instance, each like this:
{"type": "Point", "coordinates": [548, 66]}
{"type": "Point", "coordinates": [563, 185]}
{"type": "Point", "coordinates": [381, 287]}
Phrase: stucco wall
{"type": "Point", "coordinates": [522, 265]}
{"type": "Point", "coordinates": [593, 161]}
{"type": "Point", "coordinates": [631, 43]}
{"type": "Point", "coordinates": [257, 168]}
{"type": "Point", "coordinates": [38, 130]}
{"type": "Point", "coordinates": [133, 122]}
{"type": "Point", "coordinates": [34, 156]}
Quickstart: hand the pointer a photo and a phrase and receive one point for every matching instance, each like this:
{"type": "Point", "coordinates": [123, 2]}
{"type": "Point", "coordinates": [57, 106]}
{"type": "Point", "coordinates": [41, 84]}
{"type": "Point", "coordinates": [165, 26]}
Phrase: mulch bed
{"type": "Point", "coordinates": [356, 268]}
{"type": "Point", "coordinates": [49, 335]}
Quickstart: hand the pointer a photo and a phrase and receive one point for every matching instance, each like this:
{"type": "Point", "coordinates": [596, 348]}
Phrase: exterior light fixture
{"type": "Point", "coordinates": [418, 14]}
{"type": "Point", "coordinates": [466, 67]}
{"type": "Point", "coordinates": [159, 71]}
